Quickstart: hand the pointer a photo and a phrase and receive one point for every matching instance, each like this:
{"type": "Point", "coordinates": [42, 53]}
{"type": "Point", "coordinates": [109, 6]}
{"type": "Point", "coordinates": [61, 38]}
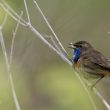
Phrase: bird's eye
{"type": "Point", "coordinates": [80, 45]}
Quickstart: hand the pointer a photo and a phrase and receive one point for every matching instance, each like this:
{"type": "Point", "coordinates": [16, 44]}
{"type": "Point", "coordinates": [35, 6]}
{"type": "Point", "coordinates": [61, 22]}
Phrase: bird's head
{"type": "Point", "coordinates": [82, 45]}
{"type": "Point", "coordinates": [79, 48]}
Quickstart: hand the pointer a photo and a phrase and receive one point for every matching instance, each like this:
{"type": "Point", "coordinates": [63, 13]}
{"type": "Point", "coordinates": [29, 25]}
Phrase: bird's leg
{"type": "Point", "coordinates": [93, 85]}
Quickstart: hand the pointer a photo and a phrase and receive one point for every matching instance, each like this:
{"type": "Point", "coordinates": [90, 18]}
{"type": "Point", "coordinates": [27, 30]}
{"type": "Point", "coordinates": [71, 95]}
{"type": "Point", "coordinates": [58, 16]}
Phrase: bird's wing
{"type": "Point", "coordinates": [97, 59]}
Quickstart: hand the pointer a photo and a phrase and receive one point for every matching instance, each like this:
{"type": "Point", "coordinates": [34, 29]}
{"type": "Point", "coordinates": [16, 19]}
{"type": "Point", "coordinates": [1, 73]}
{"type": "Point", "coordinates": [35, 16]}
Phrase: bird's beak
{"type": "Point", "coordinates": [71, 45]}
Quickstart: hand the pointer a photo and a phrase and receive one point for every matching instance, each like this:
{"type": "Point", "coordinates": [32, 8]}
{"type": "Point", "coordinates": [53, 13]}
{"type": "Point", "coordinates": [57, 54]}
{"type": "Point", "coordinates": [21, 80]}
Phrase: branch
{"type": "Point", "coordinates": [58, 41]}
{"type": "Point", "coordinates": [25, 4]}
{"type": "Point", "coordinates": [49, 45]}
{"type": "Point", "coordinates": [49, 26]}
{"type": "Point", "coordinates": [98, 94]}
{"type": "Point", "coordinates": [102, 99]}
{"type": "Point", "coordinates": [13, 39]}
{"type": "Point", "coordinates": [16, 17]}
{"type": "Point", "coordinates": [9, 71]}
{"type": "Point", "coordinates": [60, 44]}
{"type": "Point", "coordinates": [8, 65]}
{"type": "Point", "coordinates": [12, 13]}
{"type": "Point", "coordinates": [4, 21]}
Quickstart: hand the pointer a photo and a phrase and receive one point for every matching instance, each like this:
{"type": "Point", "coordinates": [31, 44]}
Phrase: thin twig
{"type": "Point", "coordinates": [99, 95]}
{"type": "Point", "coordinates": [3, 48]}
{"type": "Point", "coordinates": [102, 99]}
{"type": "Point", "coordinates": [86, 89]}
{"type": "Point", "coordinates": [53, 41]}
{"type": "Point", "coordinates": [91, 99]}
{"type": "Point", "coordinates": [48, 24]}
{"type": "Point", "coordinates": [34, 30]}
{"type": "Point", "coordinates": [8, 65]}
{"type": "Point", "coordinates": [65, 59]}
{"type": "Point", "coordinates": [12, 13]}
{"type": "Point", "coordinates": [27, 12]}
{"type": "Point", "coordinates": [9, 71]}
{"type": "Point", "coordinates": [11, 10]}
{"type": "Point", "coordinates": [49, 45]}
{"type": "Point", "coordinates": [56, 51]}
{"type": "Point", "coordinates": [96, 92]}
{"type": "Point", "coordinates": [13, 39]}
{"type": "Point", "coordinates": [4, 21]}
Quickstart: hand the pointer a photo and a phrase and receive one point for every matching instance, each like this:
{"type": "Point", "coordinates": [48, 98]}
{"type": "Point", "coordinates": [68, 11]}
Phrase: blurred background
{"type": "Point", "coordinates": [42, 80]}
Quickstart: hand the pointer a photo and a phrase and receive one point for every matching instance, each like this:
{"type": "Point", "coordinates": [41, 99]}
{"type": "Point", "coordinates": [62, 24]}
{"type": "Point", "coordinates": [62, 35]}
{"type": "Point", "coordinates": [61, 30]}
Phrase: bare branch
{"type": "Point", "coordinates": [53, 41]}
{"type": "Point", "coordinates": [99, 95]}
{"type": "Point", "coordinates": [14, 93]}
{"type": "Point", "coordinates": [13, 39]}
{"type": "Point", "coordinates": [8, 64]}
{"type": "Point", "coordinates": [29, 22]}
{"type": "Point", "coordinates": [68, 61]}
{"type": "Point", "coordinates": [3, 48]}
{"type": "Point", "coordinates": [48, 24]}
{"type": "Point", "coordinates": [12, 13]}
{"type": "Point", "coordinates": [86, 89]}
{"type": "Point", "coordinates": [102, 99]}
{"type": "Point", "coordinates": [9, 71]}
{"type": "Point", "coordinates": [50, 46]}
{"type": "Point", "coordinates": [4, 21]}
{"type": "Point", "coordinates": [16, 17]}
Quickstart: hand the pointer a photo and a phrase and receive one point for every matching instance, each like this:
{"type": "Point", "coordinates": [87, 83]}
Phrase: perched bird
{"type": "Point", "coordinates": [91, 61]}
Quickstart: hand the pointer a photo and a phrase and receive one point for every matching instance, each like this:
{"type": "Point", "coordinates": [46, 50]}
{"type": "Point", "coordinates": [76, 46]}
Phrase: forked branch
{"type": "Point", "coordinates": [57, 46]}
{"type": "Point", "coordinates": [8, 66]}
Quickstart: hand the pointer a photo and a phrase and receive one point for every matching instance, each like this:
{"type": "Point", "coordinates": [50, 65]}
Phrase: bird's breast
{"type": "Point", "coordinates": [77, 64]}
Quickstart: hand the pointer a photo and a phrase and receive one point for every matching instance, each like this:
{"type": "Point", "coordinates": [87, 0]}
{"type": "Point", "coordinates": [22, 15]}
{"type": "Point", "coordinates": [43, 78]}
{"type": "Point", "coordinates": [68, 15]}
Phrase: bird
{"type": "Point", "coordinates": [87, 58]}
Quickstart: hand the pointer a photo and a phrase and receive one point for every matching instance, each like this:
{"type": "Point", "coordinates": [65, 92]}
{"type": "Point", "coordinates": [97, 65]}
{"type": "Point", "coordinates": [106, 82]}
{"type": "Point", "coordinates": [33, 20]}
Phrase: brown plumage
{"type": "Point", "coordinates": [91, 60]}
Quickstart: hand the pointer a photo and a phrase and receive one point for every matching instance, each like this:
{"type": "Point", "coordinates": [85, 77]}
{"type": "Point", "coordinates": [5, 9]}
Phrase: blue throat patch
{"type": "Point", "coordinates": [76, 55]}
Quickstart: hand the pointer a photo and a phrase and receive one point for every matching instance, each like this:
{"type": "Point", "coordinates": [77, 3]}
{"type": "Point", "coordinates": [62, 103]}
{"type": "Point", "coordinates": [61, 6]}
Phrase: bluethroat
{"type": "Point", "coordinates": [91, 61]}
